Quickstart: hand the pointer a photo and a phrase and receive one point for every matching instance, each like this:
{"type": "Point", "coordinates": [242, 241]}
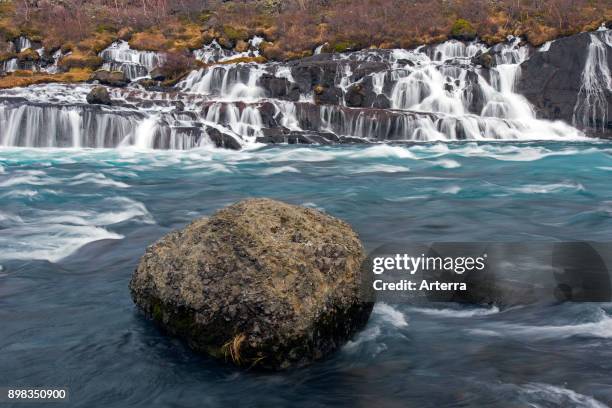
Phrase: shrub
{"type": "Point", "coordinates": [463, 30]}
{"type": "Point", "coordinates": [177, 64]}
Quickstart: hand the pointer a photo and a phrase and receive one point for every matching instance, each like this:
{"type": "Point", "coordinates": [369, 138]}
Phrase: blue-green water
{"type": "Point", "coordinates": [73, 224]}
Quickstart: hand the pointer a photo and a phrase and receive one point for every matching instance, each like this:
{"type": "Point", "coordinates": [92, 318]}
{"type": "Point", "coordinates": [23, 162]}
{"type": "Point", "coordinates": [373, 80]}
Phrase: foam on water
{"type": "Point", "coordinates": [560, 396]}
{"type": "Point", "coordinates": [547, 188]}
{"type": "Point", "coordinates": [389, 314]}
{"type": "Point", "coordinates": [456, 313]}
{"type": "Point", "coordinates": [599, 327]}
{"type": "Point", "coordinates": [278, 170]}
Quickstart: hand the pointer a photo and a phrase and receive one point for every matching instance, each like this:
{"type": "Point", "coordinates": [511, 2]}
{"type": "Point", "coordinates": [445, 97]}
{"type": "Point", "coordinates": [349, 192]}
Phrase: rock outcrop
{"type": "Point", "coordinates": [260, 283]}
{"type": "Point", "coordinates": [553, 81]}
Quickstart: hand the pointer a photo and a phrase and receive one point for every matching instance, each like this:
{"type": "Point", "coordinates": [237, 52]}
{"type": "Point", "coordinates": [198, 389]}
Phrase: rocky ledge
{"type": "Point", "coordinates": [261, 283]}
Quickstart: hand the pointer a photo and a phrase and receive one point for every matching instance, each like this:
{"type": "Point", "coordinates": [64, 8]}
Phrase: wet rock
{"type": "Point", "coordinates": [381, 102]}
{"type": "Point", "coordinates": [484, 59]}
{"type": "Point", "coordinates": [260, 283]}
{"type": "Point", "coordinates": [312, 71]}
{"type": "Point", "coordinates": [99, 95]}
{"type": "Point", "coordinates": [110, 78]}
{"type": "Point", "coordinates": [157, 74]}
{"type": "Point", "coordinates": [179, 106]}
{"type": "Point", "coordinates": [286, 136]}
{"type": "Point", "coordinates": [222, 140]}
{"type": "Point", "coordinates": [280, 88]}
{"type": "Point", "coordinates": [355, 96]}
{"type": "Point", "coordinates": [366, 68]}
{"type": "Point", "coordinates": [551, 80]}
{"type": "Point", "coordinates": [326, 96]}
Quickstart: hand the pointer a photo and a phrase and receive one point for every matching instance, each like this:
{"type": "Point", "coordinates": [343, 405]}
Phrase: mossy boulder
{"type": "Point", "coordinates": [260, 283]}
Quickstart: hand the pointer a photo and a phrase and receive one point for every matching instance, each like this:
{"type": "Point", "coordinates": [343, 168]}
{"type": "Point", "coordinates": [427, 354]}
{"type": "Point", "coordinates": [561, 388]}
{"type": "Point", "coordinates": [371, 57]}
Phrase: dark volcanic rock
{"type": "Point", "coordinates": [327, 96]}
{"type": "Point", "coordinates": [312, 71]}
{"type": "Point", "coordinates": [157, 74]}
{"type": "Point", "coordinates": [111, 78]}
{"type": "Point", "coordinates": [551, 80]}
{"type": "Point", "coordinates": [223, 140]}
{"type": "Point", "coordinates": [355, 96]}
{"type": "Point", "coordinates": [280, 135]}
{"type": "Point", "coordinates": [99, 95]}
{"type": "Point", "coordinates": [260, 283]}
{"type": "Point", "coordinates": [484, 59]}
{"type": "Point", "coordinates": [280, 88]}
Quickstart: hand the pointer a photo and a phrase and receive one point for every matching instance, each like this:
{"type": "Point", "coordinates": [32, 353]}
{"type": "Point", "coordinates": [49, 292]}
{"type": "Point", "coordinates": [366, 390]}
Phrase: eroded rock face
{"type": "Point", "coordinates": [260, 283]}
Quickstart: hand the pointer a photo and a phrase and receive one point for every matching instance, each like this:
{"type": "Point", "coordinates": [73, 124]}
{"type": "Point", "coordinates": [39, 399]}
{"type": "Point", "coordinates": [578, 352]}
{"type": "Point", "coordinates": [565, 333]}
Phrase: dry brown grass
{"type": "Point", "coordinates": [231, 349]}
{"type": "Point", "coordinates": [149, 41]}
{"type": "Point", "coordinates": [26, 78]}
{"type": "Point", "coordinates": [80, 60]}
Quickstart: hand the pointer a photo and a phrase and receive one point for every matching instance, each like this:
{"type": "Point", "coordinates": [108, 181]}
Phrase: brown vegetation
{"type": "Point", "coordinates": [292, 28]}
{"type": "Point", "coordinates": [25, 78]}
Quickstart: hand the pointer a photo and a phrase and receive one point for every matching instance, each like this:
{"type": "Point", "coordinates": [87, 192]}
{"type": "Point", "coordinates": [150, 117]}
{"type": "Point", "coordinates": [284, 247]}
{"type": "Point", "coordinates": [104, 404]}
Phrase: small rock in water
{"type": "Point", "coordinates": [99, 95]}
{"type": "Point", "coordinates": [261, 283]}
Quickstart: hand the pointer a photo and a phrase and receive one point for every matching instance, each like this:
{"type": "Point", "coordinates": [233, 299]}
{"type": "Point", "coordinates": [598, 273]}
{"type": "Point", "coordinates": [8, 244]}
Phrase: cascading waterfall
{"type": "Point", "coordinates": [592, 101]}
{"type": "Point", "coordinates": [429, 93]}
{"type": "Point", "coordinates": [226, 81]}
{"type": "Point", "coordinates": [9, 65]}
{"type": "Point", "coordinates": [213, 52]}
{"type": "Point", "coordinates": [134, 63]}
{"type": "Point", "coordinates": [45, 64]}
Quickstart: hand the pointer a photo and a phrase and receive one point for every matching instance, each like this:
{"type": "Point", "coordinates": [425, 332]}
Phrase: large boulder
{"type": "Point", "coordinates": [98, 96]}
{"type": "Point", "coordinates": [260, 283]}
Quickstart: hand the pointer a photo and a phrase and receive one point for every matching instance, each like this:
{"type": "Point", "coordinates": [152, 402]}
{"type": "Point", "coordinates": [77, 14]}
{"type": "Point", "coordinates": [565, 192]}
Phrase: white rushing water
{"type": "Point", "coordinates": [134, 63]}
{"type": "Point", "coordinates": [592, 100]}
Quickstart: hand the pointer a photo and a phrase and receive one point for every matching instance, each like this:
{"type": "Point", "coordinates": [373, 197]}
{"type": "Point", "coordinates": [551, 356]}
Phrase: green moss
{"type": "Point", "coordinates": [157, 312]}
{"type": "Point", "coordinates": [463, 30]}
{"type": "Point", "coordinates": [103, 28]}
{"type": "Point", "coordinates": [235, 34]}
{"type": "Point", "coordinates": [343, 46]}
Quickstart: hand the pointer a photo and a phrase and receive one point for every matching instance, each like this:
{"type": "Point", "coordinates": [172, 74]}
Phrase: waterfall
{"type": "Point", "coordinates": [9, 65]}
{"type": "Point", "coordinates": [213, 52]}
{"type": "Point", "coordinates": [22, 43]}
{"type": "Point", "coordinates": [134, 63]}
{"type": "Point", "coordinates": [237, 81]}
{"type": "Point", "coordinates": [430, 93]}
{"type": "Point", "coordinates": [596, 84]}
